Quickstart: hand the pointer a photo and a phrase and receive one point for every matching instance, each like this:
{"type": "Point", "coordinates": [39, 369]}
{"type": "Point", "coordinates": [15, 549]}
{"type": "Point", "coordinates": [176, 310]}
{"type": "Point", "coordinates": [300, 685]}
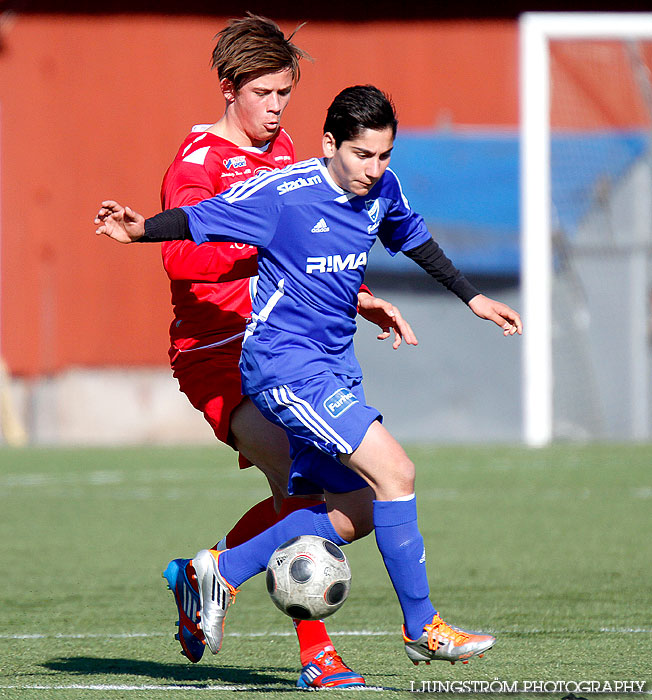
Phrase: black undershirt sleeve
{"type": "Point", "coordinates": [433, 260]}
{"type": "Point", "coordinates": [169, 225]}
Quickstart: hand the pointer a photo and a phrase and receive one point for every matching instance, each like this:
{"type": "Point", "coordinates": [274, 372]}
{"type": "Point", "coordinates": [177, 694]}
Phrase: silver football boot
{"type": "Point", "coordinates": [215, 594]}
{"type": "Point", "coordinates": [443, 642]}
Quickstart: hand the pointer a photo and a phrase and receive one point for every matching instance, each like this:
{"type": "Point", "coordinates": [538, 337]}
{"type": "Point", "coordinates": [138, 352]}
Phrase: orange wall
{"type": "Point", "coordinates": [95, 107]}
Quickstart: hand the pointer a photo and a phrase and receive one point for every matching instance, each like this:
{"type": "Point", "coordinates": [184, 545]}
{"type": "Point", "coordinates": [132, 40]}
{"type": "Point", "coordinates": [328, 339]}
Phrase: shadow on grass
{"type": "Point", "coordinates": [169, 673]}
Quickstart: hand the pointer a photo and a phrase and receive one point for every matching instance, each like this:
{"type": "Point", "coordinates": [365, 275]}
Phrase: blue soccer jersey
{"type": "Point", "coordinates": [313, 239]}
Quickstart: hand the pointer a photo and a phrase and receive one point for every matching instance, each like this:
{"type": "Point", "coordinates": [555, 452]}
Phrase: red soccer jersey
{"type": "Point", "coordinates": [210, 282]}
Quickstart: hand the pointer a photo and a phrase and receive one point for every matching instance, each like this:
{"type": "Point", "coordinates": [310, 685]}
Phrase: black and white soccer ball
{"type": "Point", "coordinates": [308, 577]}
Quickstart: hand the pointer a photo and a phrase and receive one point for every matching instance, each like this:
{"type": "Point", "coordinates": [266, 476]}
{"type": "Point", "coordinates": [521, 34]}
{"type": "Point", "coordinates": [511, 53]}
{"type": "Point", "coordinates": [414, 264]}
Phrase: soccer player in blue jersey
{"type": "Point", "coordinates": [314, 223]}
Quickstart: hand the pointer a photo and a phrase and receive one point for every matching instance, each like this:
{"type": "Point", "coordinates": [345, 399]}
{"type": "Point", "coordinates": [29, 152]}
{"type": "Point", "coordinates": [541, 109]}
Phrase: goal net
{"type": "Point", "coordinates": [586, 225]}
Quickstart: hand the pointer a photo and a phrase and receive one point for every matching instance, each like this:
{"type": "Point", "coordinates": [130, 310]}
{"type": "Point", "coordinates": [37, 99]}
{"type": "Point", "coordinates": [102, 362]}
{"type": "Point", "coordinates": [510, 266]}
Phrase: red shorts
{"type": "Point", "coordinates": [210, 379]}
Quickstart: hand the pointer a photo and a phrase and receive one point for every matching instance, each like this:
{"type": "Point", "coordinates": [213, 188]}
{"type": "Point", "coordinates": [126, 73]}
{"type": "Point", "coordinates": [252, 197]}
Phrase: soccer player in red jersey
{"type": "Point", "coordinates": [211, 288]}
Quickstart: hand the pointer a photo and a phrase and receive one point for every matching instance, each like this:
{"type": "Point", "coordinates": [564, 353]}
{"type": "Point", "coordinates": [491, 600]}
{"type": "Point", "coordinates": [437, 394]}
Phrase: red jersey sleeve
{"type": "Point", "coordinates": [187, 183]}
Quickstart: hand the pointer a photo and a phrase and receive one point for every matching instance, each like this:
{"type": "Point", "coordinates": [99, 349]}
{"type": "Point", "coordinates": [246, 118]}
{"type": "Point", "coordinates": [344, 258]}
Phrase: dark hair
{"type": "Point", "coordinates": [251, 46]}
{"type": "Point", "coordinates": [357, 108]}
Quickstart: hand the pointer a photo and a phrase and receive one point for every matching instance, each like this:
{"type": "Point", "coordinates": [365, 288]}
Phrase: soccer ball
{"type": "Point", "coordinates": [308, 577]}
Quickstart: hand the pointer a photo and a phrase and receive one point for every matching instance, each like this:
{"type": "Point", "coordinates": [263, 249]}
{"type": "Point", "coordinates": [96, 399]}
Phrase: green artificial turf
{"type": "Point", "coordinates": [549, 549]}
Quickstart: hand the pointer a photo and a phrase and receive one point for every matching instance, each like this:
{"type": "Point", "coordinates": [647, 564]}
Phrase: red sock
{"type": "Point", "coordinates": [261, 516]}
{"type": "Point", "coordinates": [313, 637]}
{"type": "Point", "coordinates": [253, 522]}
{"type": "Point", "coordinates": [312, 634]}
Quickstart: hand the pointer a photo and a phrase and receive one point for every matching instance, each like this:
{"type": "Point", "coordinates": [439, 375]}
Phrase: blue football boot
{"type": "Point", "coordinates": [182, 581]}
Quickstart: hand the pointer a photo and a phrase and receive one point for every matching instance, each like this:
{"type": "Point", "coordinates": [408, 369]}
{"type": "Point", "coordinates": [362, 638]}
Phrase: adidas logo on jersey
{"type": "Point", "coordinates": [320, 227]}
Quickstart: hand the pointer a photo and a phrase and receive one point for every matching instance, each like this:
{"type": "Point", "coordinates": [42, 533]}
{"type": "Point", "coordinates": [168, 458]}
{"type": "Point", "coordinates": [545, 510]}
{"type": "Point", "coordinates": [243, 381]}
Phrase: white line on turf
{"type": "Point", "coordinates": [83, 636]}
{"type": "Point", "coordinates": [197, 688]}
{"type": "Point", "coordinates": [140, 635]}
{"type": "Point", "coordinates": [194, 688]}
{"type": "Point", "coordinates": [341, 633]}
{"type": "Point", "coordinates": [79, 686]}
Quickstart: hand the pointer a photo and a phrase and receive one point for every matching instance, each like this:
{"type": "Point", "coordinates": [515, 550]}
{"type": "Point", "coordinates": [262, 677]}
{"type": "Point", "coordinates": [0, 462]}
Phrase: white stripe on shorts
{"type": "Point", "coordinates": [324, 425]}
{"type": "Point", "coordinates": [306, 415]}
{"type": "Point", "coordinates": [282, 399]}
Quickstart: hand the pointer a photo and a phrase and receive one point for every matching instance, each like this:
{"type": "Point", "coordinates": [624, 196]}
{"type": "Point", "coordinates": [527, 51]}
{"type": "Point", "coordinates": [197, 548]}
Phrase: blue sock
{"type": "Point", "coordinates": [250, 558]}
{"type": "Point", "coordinates": [401, 546]}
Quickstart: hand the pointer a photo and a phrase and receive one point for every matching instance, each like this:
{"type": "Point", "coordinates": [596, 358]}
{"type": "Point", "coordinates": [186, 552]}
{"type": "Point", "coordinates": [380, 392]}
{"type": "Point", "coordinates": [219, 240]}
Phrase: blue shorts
{"type": "Point", "coordinates": [313, 471]}
{"type": "Point", "coordinates": [323, 416]}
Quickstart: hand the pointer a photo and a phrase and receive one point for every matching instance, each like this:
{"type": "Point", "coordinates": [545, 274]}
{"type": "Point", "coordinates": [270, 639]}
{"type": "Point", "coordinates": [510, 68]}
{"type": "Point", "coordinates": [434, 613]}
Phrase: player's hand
{"type": "Point", "coordinates": [501, 314]}
{"type": "Point", "coordinates": [120, 223]}
{"type": "Point", "coordinates": [388, 317]}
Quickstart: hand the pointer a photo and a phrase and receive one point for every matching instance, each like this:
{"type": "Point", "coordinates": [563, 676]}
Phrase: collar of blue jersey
{"type": "Point", "coordinates": [346, 195]}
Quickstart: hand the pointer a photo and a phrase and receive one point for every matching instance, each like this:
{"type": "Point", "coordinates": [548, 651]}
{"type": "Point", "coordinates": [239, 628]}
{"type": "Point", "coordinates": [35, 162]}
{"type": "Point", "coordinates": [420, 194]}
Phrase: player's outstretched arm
{"type": "Point", "coordinates": [387, 317]}
{"type": "Point", "coordinates": [501, 314]}
{"type": "Point", "coordinates": [433, 260]}
{"type": "Point", "coordinates": [120, 223]}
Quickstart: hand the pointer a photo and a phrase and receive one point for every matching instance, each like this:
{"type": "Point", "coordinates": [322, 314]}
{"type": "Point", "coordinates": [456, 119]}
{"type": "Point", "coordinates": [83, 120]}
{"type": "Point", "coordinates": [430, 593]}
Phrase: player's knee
{"type": "Point", "coordinates": [360, 525]}
{"type": "Point", "coordinates": [351, 530]}
{"type": "Point", "coordinates": [405, 476]}
{"type": "Point", "coordinates": [353, 523]}
{"type": "Point", "coordinates": [397, 481]}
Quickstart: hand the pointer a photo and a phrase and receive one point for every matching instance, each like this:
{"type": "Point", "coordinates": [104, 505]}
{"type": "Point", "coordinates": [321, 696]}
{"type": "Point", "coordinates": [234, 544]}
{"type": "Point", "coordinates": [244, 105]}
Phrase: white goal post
{"type": "Point", "coordinates": [536, 32]}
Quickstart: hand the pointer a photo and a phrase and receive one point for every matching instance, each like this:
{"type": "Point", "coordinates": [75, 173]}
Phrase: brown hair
{"type": "Point", "coordinates": [251, 46]}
